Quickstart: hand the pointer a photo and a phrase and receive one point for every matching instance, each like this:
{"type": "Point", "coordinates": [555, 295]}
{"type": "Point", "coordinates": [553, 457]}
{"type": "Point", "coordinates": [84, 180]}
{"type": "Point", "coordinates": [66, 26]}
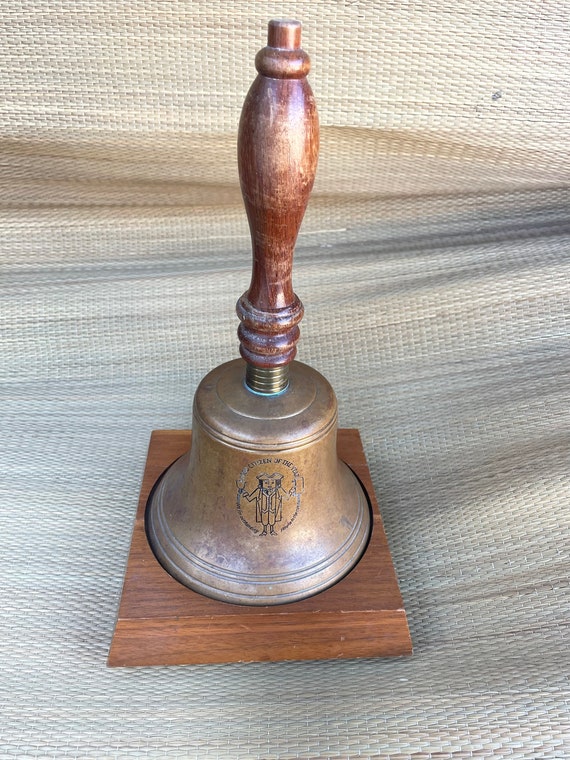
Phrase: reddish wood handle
{"type": "Point", "coordinates": [277, 158]}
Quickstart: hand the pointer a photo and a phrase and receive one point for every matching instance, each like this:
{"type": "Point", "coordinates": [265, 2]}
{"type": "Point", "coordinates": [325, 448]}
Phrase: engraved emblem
{"type": "Point", "coordinates": [269, 495]}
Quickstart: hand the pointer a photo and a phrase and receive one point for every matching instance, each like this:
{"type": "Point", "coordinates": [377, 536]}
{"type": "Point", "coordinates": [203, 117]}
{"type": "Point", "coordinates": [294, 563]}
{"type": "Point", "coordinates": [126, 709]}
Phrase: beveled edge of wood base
{"type": "Point", "coordinates": [161, 622]}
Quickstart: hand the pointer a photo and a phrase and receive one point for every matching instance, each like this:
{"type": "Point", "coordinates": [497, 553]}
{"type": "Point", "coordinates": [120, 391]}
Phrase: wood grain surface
{"type": "Point", "coordinates": [278, 144]}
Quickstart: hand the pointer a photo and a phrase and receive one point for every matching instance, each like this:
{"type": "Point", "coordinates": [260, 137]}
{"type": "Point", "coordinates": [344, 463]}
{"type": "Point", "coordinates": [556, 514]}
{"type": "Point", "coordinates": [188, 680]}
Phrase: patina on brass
{"type": "Point", "coordinates": [261, 511]}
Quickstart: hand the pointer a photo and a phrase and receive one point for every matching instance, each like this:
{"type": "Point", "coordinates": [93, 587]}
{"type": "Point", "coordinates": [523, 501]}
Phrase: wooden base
{"type": "Point", "coordinates": [161, 622]}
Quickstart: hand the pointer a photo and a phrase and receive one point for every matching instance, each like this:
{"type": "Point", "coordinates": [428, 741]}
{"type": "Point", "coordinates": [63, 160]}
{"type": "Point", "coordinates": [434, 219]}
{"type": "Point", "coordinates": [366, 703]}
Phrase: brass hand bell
{"type": "Point", "coordinates": [261, 511]}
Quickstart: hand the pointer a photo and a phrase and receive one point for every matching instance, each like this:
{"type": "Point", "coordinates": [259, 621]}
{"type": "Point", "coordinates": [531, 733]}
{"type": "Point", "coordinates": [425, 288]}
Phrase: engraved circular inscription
{"type": "Point", "coordinates": [269, 493]}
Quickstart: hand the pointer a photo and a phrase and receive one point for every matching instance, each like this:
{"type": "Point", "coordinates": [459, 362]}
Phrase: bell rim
{"type": "Point", "coordinates": [331, 569]}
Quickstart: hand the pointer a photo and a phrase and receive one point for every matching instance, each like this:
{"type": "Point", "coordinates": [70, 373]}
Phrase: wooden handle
{"type": "Point", "coordinates": [277, 158]}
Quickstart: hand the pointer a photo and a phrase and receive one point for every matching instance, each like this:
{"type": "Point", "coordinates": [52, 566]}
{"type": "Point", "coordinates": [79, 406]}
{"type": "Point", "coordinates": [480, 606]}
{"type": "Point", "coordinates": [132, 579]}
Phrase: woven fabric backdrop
{"type": "Point", "coordinates": [434, 266]}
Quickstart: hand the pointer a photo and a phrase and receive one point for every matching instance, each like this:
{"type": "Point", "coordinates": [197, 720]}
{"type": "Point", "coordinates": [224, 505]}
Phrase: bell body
{"type": "Point", "coordinates": [261, 511]}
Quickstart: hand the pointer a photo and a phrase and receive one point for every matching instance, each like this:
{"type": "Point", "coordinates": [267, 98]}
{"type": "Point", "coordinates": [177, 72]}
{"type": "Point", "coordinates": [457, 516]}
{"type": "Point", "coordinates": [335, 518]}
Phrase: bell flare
{"type": "Point", "coordinates": [260, 511]}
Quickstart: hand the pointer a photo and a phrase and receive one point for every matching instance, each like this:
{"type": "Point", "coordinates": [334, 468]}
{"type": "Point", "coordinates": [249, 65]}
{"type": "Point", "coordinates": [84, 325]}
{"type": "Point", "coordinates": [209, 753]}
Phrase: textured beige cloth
{"type": "Point", "coordinates": [434, 266]}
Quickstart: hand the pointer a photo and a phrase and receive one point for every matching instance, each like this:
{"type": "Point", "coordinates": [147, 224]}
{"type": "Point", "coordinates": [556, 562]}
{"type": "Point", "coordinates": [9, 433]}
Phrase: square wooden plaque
{"type": "Point", "coordinates": [161, 622]}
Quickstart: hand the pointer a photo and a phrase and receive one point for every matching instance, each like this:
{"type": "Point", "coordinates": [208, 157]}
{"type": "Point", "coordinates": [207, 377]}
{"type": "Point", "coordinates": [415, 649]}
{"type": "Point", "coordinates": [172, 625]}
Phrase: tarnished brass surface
{"type": "Point", "coordinates": [261, 511]}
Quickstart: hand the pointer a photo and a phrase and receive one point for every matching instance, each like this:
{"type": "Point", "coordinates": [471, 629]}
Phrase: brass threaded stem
{"type": "Point", "coordinates": [267, 380]}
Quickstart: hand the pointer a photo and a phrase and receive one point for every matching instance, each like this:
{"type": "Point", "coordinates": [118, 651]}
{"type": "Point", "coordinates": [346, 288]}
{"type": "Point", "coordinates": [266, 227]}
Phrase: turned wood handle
{"type": "Point", "coordinates": [278, 144]}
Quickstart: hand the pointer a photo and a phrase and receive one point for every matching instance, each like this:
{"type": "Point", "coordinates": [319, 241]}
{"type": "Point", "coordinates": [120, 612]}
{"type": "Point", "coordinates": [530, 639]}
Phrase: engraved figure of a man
{"type": "Point", "coordinates": [268, 501]}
